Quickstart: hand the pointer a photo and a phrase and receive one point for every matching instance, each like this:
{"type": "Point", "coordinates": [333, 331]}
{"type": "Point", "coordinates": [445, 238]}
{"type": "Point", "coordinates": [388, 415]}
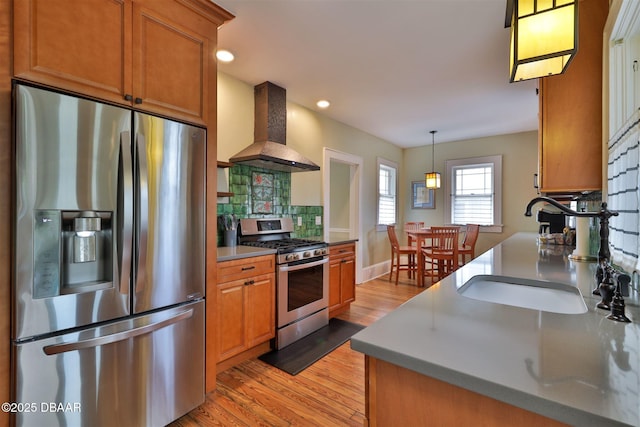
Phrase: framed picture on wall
{"type": "Point", "coordinates": [423, 198]}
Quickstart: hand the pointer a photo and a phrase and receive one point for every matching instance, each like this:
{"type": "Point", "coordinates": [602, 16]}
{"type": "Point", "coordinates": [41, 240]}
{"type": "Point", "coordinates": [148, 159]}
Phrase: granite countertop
{"type": "Point", "coordinates": [228, 253]}
{"type": "Point", "coordinates": [338, 238]}
{"type": "Point", "coordinates": [581, 369]}
{"type": "Point", "coordinates": [335, 238]}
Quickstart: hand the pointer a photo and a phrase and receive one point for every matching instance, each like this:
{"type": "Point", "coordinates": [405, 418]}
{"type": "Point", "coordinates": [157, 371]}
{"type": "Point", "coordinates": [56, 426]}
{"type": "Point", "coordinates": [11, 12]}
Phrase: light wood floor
{"type": "Point", "coordinates": [328, 393]}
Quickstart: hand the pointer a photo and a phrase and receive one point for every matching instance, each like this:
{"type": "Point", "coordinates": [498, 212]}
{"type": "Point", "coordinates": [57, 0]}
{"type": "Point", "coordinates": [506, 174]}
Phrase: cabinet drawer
{"type": "Point", "coordinates": [246, 267]}
{"type": "Point", "coordinates": [339, 251]}
{"type": "Point", "coordinates": [227, 287]}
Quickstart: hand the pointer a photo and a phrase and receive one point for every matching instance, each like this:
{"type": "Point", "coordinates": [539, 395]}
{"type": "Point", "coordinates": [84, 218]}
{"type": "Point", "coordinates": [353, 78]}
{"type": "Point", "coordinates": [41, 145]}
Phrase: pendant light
{"type": "Point", "coordinates": [432, 179]}
{"type": "Point", "coordinates": [544, 38]}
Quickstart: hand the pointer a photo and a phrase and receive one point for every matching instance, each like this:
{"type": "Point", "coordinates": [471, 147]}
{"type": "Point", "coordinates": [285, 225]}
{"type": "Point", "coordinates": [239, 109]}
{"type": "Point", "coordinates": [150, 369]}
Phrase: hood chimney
{"type": "Point", "coordinates": [269, 149]}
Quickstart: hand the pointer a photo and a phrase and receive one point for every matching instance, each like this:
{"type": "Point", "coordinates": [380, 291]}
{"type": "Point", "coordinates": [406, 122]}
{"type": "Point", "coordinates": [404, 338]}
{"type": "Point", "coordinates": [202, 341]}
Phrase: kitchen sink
{"type": "Point", "coordinates": [541, 295]}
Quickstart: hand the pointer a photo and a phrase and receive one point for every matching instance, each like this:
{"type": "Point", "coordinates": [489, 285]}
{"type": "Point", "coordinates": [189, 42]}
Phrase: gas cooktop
{"type": "Point", "coordinates": [284, 245]}
{"type": "Point", "coordinates": [275, 233]}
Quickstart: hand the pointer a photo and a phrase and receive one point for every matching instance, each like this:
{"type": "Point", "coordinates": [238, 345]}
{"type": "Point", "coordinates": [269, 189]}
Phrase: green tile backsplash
{"type": "Point", "coordinates": [261, 193]}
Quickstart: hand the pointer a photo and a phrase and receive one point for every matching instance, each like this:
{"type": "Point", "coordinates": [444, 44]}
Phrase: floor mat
{"type": "Point", "coordinates": [303, 353]}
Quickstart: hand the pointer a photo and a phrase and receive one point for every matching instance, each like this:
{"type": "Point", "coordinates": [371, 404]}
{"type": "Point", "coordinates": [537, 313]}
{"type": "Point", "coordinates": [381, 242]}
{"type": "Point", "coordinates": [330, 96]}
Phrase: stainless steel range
{"type": "Point", "coordinates": [302, 276]}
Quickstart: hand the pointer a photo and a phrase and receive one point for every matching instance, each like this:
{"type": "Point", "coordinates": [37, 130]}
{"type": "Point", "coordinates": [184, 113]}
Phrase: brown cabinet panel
{"type": "Point", "coordinates": [348, 279]}
{"type": "Point", "coordinates": [245, 305]}
{"type": "Point", "coordinates": [334, 284]}
{"type": "Point", "coordinates": [570, 136]}
{"type": "Point", "coordinates": [82, 46]}
{"type": "Point", "coordinates": [6, 216]}
{"type": "Point", "coordinates": [396, 396]}
{"type": "Point", "coordinates": [260, 310]}
{"type": "Point", "coordinates": [230, 319]}
{"type": "Point", "coordinates": [170, 64]}
{"type": "Point", "coordinates": [342, 277]}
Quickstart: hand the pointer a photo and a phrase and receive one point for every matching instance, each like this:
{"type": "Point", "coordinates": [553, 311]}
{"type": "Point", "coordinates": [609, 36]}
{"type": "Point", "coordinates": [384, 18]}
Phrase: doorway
{"type": "Point", "coordinates": [342, 185]}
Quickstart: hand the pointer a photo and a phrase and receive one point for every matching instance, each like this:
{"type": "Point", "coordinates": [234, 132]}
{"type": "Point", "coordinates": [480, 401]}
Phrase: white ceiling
{"type": "Point", "coordinates": [393, 68]}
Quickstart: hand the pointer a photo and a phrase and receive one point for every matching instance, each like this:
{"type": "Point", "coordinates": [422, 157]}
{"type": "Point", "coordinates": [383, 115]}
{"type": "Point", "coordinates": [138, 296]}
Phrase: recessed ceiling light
{"type": "Point", "coordinates": [323, 103]}
{"type": "Point", "coordinates": [224, 55]}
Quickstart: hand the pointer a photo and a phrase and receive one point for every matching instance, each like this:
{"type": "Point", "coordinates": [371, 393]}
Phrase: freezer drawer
{"type": "Point", "coordinates": [144, 371]}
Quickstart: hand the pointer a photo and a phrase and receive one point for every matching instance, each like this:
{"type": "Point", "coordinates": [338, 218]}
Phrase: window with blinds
{"type": "Point", "coordinates": [387, 185]}
{"type": "Point", "coordinates": [623, 163]}
{"type": "Point", "coordinates": [472, 198]}
{"type": "Point", "coordinates": [473, 192]}
{"type": "Point", "coordinates": [623, 182]}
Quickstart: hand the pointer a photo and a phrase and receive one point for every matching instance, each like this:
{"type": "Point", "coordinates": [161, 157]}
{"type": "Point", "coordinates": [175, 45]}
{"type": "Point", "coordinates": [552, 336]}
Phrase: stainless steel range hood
{"type": "Point", "coordinates": [269, 150]}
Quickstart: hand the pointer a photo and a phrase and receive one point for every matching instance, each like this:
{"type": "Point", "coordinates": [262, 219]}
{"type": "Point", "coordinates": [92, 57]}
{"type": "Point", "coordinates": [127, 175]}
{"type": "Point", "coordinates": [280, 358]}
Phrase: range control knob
{"type": "Point", "coordinates": [306, 254]}
{"type": "Point", "coordinates": [291, 257]}
{"type": "Point", "coordinates": [320, 251]}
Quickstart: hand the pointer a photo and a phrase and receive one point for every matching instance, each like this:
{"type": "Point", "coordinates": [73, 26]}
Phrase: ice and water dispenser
{"type": "Point", "coordinates": [73, 252]}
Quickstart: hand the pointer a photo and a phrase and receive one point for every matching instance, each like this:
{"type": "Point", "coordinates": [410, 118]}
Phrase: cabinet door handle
{"type": "Point", "coordinates": [250, 267]}
{"type": "Point", "coordinates": [138, 101]}
{"type": "Point", "coordinates": [128, 97]}
{"type": "Point", "coordinates": [250, 282]}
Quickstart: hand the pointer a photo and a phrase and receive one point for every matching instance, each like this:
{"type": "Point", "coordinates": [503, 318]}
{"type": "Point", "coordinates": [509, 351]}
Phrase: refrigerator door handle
{"type": "Point", "coordinates": [127, 212]}
{"type": "Point", "coordinates": [118, 336]}
{"type": "Point", "coordinates": [143, 212]}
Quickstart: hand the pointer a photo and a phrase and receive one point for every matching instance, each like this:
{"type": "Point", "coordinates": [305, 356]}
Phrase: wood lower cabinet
{"type": "Point", "coordinates": [245, 305]}
{"type": "Point", "coordinates": [396, 396]}
{"type": "Point", "coordinates": [570, 138]}
{"type": "Point", "coordinates": [342, 277]}
{"type": "Point", "coordinates": [154, 55]}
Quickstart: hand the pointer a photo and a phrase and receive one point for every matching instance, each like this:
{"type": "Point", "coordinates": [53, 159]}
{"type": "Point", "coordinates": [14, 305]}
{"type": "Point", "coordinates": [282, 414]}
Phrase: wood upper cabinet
{"type": "Point", "coordinates": [570, 136]}
{"type": "Point", "coordinates": [82, 46]}
{"type": "Point", "coordinates": [245, 304]}
{"type": "Point", "coordinates": [172, 48]}
{"type": "Point", "coordinates": [342, 277]}
{"type": "Point", "coordinates": [154, 55]}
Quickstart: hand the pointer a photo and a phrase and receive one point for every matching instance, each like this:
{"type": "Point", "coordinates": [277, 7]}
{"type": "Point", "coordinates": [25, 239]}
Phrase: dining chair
{"type": "Point", "coordinates": [397, 252]}
{"type": "Point", "coordinates": [412, 226]}
{"type": "Point", "coordinates": [441, 257]}
{"type": "Point", "coordinates": [468, 246]}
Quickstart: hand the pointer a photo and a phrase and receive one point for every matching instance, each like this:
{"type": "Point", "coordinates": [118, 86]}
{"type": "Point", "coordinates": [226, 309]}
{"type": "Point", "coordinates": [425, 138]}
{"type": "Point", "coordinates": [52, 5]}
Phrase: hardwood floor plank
{"type": "Point", "coordinates": [328, 393]}
{"type": "Point", "coordinates": [316, 398]}
{"type": "Point", "coordinates": [319, 385]}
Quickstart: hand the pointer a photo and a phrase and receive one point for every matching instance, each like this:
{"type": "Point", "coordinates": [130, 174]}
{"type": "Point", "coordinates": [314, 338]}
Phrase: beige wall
{"type": "Point", "coordinates": [308, 132]}
{"type": "Point", "coordinates": [519, 163]}
{"type": "Point", "coordinates": [339, 195]}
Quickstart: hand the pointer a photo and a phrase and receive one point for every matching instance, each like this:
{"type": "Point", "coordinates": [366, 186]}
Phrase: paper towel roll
{"type": "Point", "coordinates": [582, 238]}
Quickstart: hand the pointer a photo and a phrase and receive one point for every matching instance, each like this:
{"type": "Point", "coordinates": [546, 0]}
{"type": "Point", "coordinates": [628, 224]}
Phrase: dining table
{"type": "Point", "coordinates": [419, 236]}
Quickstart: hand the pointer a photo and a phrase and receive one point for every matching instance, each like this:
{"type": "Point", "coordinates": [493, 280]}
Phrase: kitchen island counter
{"type": "Point", "coordinates": [579, 369]}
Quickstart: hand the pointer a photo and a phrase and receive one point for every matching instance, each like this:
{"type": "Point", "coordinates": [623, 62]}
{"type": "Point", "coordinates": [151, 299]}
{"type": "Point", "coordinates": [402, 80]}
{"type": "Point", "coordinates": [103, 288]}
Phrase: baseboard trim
{"type": "Point", "coordinates": [376, 270]}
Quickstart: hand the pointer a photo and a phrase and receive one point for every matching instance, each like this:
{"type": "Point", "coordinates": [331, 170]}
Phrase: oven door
{"type": "Point", "coordinates": [303, 289]}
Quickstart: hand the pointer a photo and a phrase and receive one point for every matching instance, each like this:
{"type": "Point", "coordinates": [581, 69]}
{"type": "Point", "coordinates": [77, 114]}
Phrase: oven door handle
{"type": "Point", "coordinates": [305, 265]}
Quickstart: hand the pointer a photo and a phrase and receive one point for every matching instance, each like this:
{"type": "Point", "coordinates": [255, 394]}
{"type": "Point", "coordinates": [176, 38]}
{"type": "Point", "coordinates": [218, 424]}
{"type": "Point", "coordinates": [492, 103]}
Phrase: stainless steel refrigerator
{"type": "Point", "coordinates": [109, 264]}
